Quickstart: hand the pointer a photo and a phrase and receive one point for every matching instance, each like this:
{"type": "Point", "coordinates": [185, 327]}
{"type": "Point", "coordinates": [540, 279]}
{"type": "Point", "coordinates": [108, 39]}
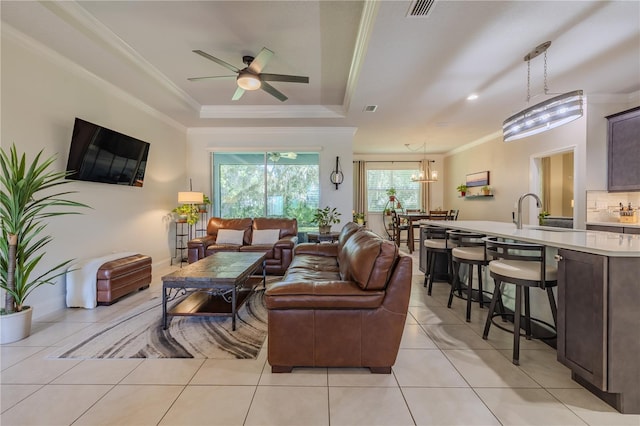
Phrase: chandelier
{"type": "Point", "coordinates": [546, 115]}
{"type": "Point", "coordinates": [428, 175]}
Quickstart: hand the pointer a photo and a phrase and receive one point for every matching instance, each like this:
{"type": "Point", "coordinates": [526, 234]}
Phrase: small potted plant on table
{"type": "Point", "coordinates": [325, 218]}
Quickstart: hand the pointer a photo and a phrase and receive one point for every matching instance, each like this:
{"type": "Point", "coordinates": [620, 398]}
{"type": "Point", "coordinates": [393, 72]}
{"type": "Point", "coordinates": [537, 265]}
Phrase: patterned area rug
{"type": "Point", "coordinates": [139, 334]}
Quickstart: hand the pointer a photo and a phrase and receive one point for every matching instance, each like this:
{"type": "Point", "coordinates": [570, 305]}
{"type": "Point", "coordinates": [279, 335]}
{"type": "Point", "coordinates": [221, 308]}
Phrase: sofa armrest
{"type": "Point", "coordinates": [287, 242]}
{"type": "Point", "coordinates": [330, 250]}
{"type": "Point", "coordinates": [197, 247]}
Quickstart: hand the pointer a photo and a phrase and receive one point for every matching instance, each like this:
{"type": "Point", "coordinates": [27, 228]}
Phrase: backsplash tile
{"type": "Point", "coordinates": [603, 206]}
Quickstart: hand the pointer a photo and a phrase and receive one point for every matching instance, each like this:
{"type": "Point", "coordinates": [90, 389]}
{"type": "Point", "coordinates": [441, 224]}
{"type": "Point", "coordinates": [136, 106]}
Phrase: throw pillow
{"type": "Point", "coordinates": [265, 236]}
{"type": "Point", "coordinates": [230, 236]}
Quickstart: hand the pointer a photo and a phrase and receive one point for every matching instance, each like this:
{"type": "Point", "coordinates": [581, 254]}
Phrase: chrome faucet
{"type": "Point", "coordinates": [518, 221]}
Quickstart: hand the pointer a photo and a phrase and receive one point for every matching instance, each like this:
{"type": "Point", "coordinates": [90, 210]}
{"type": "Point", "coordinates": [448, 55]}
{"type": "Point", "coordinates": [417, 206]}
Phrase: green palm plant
{"type": "Point", "coordinates": [22, 214]}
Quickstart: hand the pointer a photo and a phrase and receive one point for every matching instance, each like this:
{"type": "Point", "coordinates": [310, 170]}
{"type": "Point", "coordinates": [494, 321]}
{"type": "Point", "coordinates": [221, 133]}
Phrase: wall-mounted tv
{"type": "Point", "coordinates": [98, 154]}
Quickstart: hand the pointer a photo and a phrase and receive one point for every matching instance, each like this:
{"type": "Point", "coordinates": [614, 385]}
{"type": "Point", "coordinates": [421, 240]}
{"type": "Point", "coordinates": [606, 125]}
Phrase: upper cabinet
{"type": "Point", "coordinates": [624, 150]}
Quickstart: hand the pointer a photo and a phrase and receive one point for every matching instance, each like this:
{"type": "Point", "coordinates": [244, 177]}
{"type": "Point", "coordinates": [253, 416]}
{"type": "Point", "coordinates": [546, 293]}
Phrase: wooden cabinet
{"type": "Point", "coordinates": [617, 229]}
{"type": "Point", "coordinates": [582, 306]}
{"type": "Point", "coordinates": [598, 320]}
{"type": "Point", "coordinates": [623, 143]}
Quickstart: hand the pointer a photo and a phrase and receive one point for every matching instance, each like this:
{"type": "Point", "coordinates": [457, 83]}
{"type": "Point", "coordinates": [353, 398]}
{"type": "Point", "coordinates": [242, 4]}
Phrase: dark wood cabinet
{"type": "Point", "coordinates": [582, 315]}
{"type": "Point", "coordinates": [598, 325]}
{"type": "Point", "coordinates": [623, 144]}
{"type": "Point", "coordinates": [617, 229]}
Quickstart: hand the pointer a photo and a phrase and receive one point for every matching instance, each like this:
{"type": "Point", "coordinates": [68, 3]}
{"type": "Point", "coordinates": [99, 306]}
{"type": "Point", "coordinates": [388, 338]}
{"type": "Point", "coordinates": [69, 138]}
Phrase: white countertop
{"type": "Point", "coordinates": [604, 243]}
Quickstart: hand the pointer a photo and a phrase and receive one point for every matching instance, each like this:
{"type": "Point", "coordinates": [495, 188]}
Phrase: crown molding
{"type": "Point", "coordinates": [348, 131]}
{"type": "Point", "coordinates": [272, 111]}
{"type": "Point", "coordinates": [57, 59]}
{"type": "Point", "coordinates": [365, 29]}
{"type": "Point", "coordinates": [488, 138]}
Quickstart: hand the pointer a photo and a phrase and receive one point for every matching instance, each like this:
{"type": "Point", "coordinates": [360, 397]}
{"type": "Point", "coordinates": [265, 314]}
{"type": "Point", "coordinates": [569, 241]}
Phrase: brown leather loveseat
{"type": "Point", "coordinates": [276, 236]}
{"type": "Point", "coordinates": [340, 305]}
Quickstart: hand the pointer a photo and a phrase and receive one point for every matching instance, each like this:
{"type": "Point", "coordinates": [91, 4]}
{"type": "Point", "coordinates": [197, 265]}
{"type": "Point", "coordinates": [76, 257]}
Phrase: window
{"type": "Point", "coordinates": [267, 184]}
{"type": "Point", "coordinates": [383, 176]}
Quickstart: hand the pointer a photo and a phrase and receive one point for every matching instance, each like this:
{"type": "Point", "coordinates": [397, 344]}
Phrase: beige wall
{"type": "Point", "coordinates": [42, 93]}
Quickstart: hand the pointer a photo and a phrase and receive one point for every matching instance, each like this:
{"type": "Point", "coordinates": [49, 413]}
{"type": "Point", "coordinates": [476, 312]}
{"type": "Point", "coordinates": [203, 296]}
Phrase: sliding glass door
{"type": "Point", "coordinates": [266, 184]}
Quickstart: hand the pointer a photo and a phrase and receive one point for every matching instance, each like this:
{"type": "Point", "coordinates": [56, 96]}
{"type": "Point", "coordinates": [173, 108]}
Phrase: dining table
{"type": "Point", "coordinates": [410, 218]}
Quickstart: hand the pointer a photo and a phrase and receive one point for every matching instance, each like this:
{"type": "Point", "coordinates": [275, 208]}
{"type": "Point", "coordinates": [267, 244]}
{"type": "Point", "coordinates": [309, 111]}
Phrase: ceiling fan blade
{"type": "Point", "coordinates": [282, 77]}
{"type": "Point", "coordinates": [238, 94]}
{"type": "Point", "coordinates": [211, 77]}
{"type": "Point", "coordinates": [273, 91]}
{"type": "Point", "coordinates": [216, 60]}
{"type": "Point", "coordinates": [260, 61]}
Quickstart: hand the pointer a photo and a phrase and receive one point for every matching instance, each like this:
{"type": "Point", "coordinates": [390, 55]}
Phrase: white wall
{"type": "Point", "coordinates": [42, 93]}
{"type": "Point", "coordinates": [329, 142]}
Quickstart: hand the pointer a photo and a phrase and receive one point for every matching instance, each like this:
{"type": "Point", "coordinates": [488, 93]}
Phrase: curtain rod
{"type": "Point", "coordinates": [392, 161]}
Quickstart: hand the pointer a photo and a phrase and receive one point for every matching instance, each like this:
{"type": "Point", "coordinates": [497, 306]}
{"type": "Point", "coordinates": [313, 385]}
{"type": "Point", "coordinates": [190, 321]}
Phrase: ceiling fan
{"type": "Point", "coordinates": [251, 77]}
{"type": "Point", "coordinates": [275, 156]}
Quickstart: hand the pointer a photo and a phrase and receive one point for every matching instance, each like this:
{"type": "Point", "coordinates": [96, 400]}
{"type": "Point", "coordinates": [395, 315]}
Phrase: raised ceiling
{"type": "Point", "coordinates": [418, 71]}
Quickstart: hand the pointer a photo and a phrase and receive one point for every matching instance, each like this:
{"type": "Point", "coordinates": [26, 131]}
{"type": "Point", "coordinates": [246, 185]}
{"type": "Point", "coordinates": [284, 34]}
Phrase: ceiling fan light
{"type": "Point", "coordinates": [249, 81]}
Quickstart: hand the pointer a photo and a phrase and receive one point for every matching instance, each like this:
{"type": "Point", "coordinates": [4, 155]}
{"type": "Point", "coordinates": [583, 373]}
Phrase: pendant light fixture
{"type": "Point", "coordinates": [546, 115]}
{"type": "Point", "coordinates": [427, 175]}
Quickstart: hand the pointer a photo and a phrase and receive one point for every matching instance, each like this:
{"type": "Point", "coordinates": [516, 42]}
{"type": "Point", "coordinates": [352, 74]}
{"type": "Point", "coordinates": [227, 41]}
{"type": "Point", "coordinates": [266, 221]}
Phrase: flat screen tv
{"type": "Point", "coordinates": [98, 154]}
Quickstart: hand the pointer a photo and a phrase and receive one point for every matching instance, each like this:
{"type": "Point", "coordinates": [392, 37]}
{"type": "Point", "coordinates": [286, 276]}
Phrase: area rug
{"type": "Point", "coordinates": [139, 334]}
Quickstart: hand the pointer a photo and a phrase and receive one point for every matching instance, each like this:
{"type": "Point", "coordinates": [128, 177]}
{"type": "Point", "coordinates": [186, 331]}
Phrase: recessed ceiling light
{"type": "Point", "coordinates": [472, 97]}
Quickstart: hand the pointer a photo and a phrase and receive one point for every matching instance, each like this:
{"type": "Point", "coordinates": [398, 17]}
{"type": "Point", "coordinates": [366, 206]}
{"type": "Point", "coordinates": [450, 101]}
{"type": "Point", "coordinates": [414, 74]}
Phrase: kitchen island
{"type": "Point", "coordinates": [598, 304]}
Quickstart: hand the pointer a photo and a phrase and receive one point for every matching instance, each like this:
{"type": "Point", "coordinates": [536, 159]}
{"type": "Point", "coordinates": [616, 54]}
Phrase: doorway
{"type": "Point", "coordinates": [556, 182]}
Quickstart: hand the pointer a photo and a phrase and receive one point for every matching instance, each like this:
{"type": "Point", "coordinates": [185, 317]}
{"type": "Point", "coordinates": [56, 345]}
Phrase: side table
{"type": "Point", "coordinates": [317, 237]}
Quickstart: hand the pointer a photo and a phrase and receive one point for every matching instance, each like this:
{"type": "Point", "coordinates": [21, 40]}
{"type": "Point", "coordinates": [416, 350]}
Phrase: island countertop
{"type": "Point", "coordinates": [604, 243]}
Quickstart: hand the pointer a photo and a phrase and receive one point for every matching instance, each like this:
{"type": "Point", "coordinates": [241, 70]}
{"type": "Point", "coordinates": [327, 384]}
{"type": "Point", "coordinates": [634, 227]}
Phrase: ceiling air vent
{"type": "Point", "coordinates": [420, 8]}
{"type": "Point", "coordinates": [370, 108]}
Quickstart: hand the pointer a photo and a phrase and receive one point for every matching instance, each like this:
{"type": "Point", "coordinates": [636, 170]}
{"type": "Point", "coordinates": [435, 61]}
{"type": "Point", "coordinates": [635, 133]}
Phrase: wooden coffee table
{"type": "Point", "coordinates": [219, 284]}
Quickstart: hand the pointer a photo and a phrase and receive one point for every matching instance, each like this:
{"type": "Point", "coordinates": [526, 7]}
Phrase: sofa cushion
{"type": "Point", "coordinates": [368, 260]}
{"type": "Point", "coordinates": [321, 295]}
{"type": "Point", "coordinates": [347, 232]}
{"type": "Point", "coordinates": [230, 236]}
{"type": "Point", "coordinates": [265, 236]}
{"type": "Point", "coordinates": [286, 226]}
{"type": "Point", "coordinates": [217, 223]}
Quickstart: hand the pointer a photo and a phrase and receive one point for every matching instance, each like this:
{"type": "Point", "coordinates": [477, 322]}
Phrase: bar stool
{"type": "Point", "coordinates": [523, 265]}
{"type": "Point", "coordinates": [436, 243]}
{"type": "Point", "coordinates": [468, 250]}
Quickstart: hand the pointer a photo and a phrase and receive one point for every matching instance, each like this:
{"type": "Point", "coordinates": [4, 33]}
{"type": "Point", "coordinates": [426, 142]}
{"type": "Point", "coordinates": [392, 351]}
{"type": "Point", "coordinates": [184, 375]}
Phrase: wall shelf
{"type": "Point", "coordinates": [477, 196]}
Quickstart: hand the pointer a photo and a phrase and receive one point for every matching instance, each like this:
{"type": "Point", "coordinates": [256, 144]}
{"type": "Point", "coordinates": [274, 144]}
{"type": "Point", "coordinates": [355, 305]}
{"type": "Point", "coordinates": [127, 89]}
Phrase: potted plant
{"type": "Point", "coordinates": [206, 202]}
{"type": "Point", "coordinates": [462, 189]}
{"type": "Point", "coordinates": [23, 214]}
{"type": "Point", "coordinates": [189, 213]}
{"type": "Point", "coordinates": [486, 190]}
{"type": "Point", "coordinates": [359, 218]}
{"type": "Point", "coordinates": [325, 218]}
{"type": "Point", "coordinates": [391, 192]}
{"type": "Point", "coordinates": [541, 216]}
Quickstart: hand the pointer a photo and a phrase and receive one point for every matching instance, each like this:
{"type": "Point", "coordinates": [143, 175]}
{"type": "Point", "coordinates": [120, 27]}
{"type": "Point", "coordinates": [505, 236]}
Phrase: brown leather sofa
{"type": "Point", "coordinates": [340, 305]}
{"type": "Point", "coordinates": [279, 254]}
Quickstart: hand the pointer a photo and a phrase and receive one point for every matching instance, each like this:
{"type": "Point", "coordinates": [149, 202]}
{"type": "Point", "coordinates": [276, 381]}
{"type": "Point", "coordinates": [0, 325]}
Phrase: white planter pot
{"type": "Point", "coordinates": [15, 326]}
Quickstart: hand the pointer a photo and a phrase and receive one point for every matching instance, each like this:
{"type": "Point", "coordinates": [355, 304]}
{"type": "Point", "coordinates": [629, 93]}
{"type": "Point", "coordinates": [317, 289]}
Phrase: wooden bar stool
{"type": "Point", "coordinates": [468, 250]}
{"type": "Point", "coordinates": [523, 265]}
{"type": "Point", "coordinates": [436, 243]}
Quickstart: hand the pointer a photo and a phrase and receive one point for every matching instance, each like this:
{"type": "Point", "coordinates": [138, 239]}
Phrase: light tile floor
{"type": "Point", "coordinates": [445, 374]}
